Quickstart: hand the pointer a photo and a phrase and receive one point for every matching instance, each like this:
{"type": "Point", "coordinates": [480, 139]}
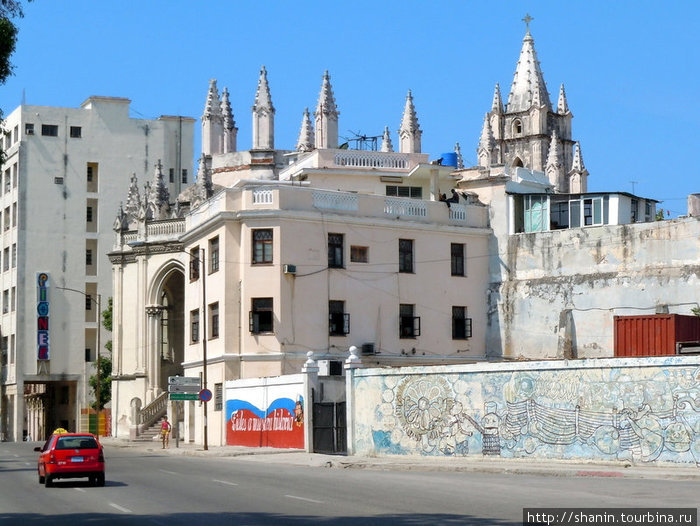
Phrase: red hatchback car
{"type": "Point", "coordinates": [71, 455]}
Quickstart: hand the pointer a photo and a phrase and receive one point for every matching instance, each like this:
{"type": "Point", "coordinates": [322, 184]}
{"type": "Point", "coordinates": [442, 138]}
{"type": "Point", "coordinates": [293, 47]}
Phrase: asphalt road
{"type": "Point", "coordinates": [152, 489]}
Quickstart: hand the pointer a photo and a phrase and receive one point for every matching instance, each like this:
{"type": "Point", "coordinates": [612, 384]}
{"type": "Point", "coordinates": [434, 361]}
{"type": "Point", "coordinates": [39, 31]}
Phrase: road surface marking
{"type": "Point", "coordinates": [304, 499]}
{"type": "Point", "coordinates": [225, 482]}
{"type": "Point", "coordinates": [168, 472]}
{"type": "Point", "coordinates": [120, 508]}
{"type": "Point", "coordinates": [79, 489]}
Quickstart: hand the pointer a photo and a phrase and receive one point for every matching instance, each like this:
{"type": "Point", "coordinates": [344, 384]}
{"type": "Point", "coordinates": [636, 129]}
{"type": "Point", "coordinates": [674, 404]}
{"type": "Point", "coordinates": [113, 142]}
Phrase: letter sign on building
{"type": "Point", "coordinates": [42, 310]}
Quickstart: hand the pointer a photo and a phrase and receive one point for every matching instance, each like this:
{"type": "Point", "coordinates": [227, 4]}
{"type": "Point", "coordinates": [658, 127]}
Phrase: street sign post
{"type": "Point", "coordinates": [183, 380]}
{"type": "Point", "coordinates": [184, 396]}
{"type": "Point", "coordinates": [184, 389]}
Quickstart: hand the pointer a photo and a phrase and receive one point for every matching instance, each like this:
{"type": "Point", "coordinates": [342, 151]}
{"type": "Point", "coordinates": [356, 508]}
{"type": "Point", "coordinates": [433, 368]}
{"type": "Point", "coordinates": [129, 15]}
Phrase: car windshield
{"type": "Point", "coordinates": [76, 443]}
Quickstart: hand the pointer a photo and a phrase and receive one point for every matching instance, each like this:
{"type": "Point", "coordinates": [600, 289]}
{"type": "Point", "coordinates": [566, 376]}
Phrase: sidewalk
{"type": "Point", "coordinates": [552, 468]}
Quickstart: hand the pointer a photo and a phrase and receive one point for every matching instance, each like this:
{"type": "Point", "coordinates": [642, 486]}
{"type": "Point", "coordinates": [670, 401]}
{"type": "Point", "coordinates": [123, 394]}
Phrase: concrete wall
{"type": "Point", "coordinates": [561, 289]}
{"type": "Point", "coordinates": [633, 410]}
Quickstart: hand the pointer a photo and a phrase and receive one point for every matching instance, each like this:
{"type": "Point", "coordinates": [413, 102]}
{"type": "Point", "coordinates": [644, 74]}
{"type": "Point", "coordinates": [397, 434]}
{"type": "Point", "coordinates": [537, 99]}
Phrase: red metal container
{"type": "Point", "coordinates": [654, 335]}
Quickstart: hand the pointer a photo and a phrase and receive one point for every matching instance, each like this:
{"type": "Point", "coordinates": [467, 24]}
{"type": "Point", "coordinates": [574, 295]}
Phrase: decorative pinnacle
{"type": "Point", "coordinates": [263, 100]}
{"type": "Point", "coordinates": [326, 101]}
{"type": "Point", "coordinates": [527, 21]}
{"type": "Point", "coordinates": [409, 122]}
{"type": "Point", "coordinates": [306, 142]}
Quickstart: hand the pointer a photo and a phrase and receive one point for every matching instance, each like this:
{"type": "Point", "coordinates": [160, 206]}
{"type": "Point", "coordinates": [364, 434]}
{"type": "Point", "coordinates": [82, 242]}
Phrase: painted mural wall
{"type": "Point", "coordinates": [636, 410]}
{"type": "Point", "coordinates": [265, 412]}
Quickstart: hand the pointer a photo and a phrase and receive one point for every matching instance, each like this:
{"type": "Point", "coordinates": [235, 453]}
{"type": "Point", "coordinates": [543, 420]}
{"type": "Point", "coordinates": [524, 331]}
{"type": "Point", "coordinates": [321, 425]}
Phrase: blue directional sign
{"type": "Point", "coordinates": [205, 395]}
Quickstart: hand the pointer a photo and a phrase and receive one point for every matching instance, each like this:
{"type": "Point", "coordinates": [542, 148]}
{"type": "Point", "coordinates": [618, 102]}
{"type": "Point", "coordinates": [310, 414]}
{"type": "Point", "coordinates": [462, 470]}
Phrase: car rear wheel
{"type": "Point", "coordinates": [100, 479]}
{"type": "Point", "coordinates": [48, 481]}
{"type": "Point", "coordinates": [41, 479]}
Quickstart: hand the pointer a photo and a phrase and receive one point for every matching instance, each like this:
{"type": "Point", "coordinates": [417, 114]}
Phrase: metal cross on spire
{"type": "Point", "coordinates": [527, 21]}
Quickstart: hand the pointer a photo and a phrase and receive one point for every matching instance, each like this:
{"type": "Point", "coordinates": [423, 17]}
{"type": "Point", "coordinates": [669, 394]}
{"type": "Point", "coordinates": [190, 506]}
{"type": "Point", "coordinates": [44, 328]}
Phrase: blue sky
{"type": "Point", "coordinates": [630, 69]}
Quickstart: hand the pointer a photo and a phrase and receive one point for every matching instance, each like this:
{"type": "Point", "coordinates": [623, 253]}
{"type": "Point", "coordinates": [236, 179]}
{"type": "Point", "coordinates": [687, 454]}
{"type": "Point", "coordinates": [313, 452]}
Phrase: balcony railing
{"type": "Point", "coordinates": [405, 207]}
{"type": "Point", "coordinates": [334, 200]}
{"type": "Point", "coordinates": [364, 159]}
{"type": "Point", "coordinates": [262, 196]}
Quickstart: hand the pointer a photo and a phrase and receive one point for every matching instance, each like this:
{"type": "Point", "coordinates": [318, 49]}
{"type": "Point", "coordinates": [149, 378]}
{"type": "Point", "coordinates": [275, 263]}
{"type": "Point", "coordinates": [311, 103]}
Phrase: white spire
{"type": "Point", "coordinates": [562, 105]}
{"type": "Point", "coordinates": [460, 159]}
{"type": "Point", "coordinates": [528, 86]}
{"type": "Point", "coordinates": [158, 196]}
{"type": "Point", "coordinates": [577, 164]}
{"type": "Point", "coordinates": [326, 116]}
{"type": "Point", "coordinates": [212, 122]}
{"type": "Point", "coordinates": [497, 104]}
{"type": "Point", "coordinates": [554, 154]}
{"type": "Point", "coordinates": [386, 141]}
{"type": "Point", "coordinates": [409, 131]}
{"type": "Point", "coordinates": [487, 144]}
{"type": "Point", "coordinates": [203, 188]}
{"type": "Point", "coordinates": [263, 115]}
{"type": "Point", "coordinates": [306, 133]}
{"type": "Point", "coordinates": [230, 130]}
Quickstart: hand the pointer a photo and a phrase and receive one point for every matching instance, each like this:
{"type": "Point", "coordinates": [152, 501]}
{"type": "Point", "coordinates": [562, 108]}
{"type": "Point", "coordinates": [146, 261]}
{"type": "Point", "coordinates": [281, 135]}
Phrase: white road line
{"type": "Point", "coordinates": [120, 508]}
{"type": "Point", "coordinates": [79, 489]}
{"type": "Point", "coordinates": [168, 472]}
{"type": "Point", "coordinates": [304, 499]}
{"type": "Point", "coordinates": [225, 482]}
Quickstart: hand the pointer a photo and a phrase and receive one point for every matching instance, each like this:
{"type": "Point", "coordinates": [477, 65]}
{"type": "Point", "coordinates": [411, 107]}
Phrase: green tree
{"type": "Point", "coordinates": [9, 9]}
{"type": "Point", "coordinates": [696, 311]}
{"type": "Point", "coordinates": [104, 363]}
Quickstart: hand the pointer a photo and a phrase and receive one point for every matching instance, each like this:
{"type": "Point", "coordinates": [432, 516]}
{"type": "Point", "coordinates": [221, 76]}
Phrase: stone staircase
{"type": "Point", "coordinates": [151, 433]}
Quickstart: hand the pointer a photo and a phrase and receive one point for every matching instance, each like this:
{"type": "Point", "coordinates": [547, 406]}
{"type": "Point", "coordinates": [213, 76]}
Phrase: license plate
{"type": "Point", "coordinates": [77, 459]}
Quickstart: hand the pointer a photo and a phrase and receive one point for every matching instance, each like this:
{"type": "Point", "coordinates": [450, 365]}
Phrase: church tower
{"type": "Point", "coordinates": [523, 132]}
{"type": "Point", "coordinates": [263, 116]}
{"type": "Point", "coordinates": [326, 116]}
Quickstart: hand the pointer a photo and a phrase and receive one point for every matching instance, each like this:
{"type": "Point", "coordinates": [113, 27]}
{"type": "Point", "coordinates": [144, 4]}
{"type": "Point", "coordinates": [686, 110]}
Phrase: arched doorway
{"type": "Point", "coordinates": [171, 327]}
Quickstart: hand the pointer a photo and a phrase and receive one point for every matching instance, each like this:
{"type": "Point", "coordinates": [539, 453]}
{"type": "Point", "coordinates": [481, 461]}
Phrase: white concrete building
{"type": "Point", "coordinates": [65, 172]}
{"type": "Point", "coordinates": [313, 250]}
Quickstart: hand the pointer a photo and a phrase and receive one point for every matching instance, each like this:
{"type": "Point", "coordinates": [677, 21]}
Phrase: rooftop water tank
{"type": "Point", "coordinates": [449, 159]}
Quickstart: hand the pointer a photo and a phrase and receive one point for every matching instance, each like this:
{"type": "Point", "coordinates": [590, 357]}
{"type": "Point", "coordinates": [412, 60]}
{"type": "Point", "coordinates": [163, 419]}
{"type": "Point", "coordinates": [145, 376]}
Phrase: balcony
{"type": "Point", "coordinates": [286, 197]}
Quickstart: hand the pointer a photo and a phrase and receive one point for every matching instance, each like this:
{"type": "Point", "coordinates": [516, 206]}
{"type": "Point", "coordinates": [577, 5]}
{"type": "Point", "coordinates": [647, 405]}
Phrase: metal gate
{"type": "Point", "coordinates": [330, 434]}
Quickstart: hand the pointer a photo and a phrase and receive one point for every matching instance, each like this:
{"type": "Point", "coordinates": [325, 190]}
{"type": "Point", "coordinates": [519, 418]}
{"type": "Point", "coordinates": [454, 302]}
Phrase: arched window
{"type": "Point", "coordinates": [517, 163]}
{"type": "Point", "coordinates": [164, 339]}
{"type": "Point", "coordinates": [517, 127]}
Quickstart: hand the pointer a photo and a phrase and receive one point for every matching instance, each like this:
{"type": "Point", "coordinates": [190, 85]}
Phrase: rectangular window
{"type": "Point", "coordinates": [409, 324]}
{"type": "Point", "coordinates": [29, 128]}
{"type": "Point", "coordinates": [88, 214]}
{"type": "Point", "coordinates": [49, 130]}
{"type": "Point", "coordinates": [559, 216]}
{"type": "Point", "coordinates": [171, 174]}
{"type": "Point", "coordinates": [359, 254]}
{"type": "Point", "coordinates": [536, 215]}
{"type": "Point", "coordinates": [13, 299]}
{"type": "Point", "coordinates": [218, 397]}
{"type": "Point", "coordinates": [414, 192]}
{"type": "Point", "coordinates": [214, 320]}
{"type": "Point", "coordinates": [76, 132]}
{"type": "Point", "coordinates": [593, 211]}
{"type": "Point", "coordinates": [338, 319]}
{"type": "Point", "coordinates": [14, 255]}
{"type": "Point", "coordinates": [14, 214]}
{"type": "Point", "coordinates": [260, 320]}
{"type": "Point", "coordinates": [262, 246]}
{"type": "Point", "coordinates": [88, 257]}
{"type": "Point", "coordinates": [6, 218]}
{"type": "Point", "coordinates": [214, 255]}
{"type": "Point", "coordinates": [15, 134]}
{"type": "Point", "coordinates": [89, 173]}
{"type": "Point", "coordinates": [14, 175]}
{"type": "Point", "coordinates": [88, 354]}
{"type": "Point", "coordinates": [405, 255]}
{"type": "Point", "coordinates": [88, 302]}
{"type": "Point", "coordinates": [461, 325]}
{"type": "Point", "coordinates": [5, 301]}
{"type": "Point", "coordinates": [457, 259]}
{"type": "Point", "coordinates": [194, 264]}
{"type": "Point", "coordinates": [194, 326]}
{"type": "Point", "coordinates": [335, 250]}
{"type": "Point", "coordinates": [184, 175]}
{"type": "Point", "coordinates": [8, 180]}
{"type": "Point", "coordinates": [6, 259]}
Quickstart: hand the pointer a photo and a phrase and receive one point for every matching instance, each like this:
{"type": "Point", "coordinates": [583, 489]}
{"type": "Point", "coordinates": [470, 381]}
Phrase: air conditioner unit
{"type": "Point", "coordinates": [330, 368]}
{"type": "Point", "coordinates": [289, 269]}
{"type": "Point", "coordinates": [368, 349]}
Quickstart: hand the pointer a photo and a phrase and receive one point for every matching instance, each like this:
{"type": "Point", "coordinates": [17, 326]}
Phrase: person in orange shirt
{"type": "Point", "coordinates": [165, 432]}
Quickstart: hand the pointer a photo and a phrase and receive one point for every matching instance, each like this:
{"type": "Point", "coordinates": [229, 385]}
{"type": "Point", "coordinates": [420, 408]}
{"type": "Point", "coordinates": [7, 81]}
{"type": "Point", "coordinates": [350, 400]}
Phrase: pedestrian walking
{"type": "Point", "coordinates": [165, 432]}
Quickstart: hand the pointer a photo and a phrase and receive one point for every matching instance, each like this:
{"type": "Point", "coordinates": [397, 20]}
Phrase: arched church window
{"type": "Point", "coordinates": [517, 127]}
{"type": "Point", "coordinates": [164, 339]}
{"type": "Point", "coordinates": [517, 163]}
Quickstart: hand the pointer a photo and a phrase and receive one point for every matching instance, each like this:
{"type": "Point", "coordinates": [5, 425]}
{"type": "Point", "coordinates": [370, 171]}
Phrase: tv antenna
{"type": "Point", "coordinates": [362, 141]}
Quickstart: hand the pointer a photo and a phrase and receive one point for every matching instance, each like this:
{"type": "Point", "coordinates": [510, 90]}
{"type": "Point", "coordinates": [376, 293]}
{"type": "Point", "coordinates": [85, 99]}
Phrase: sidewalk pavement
{"type": "Point", "coordinates": [553, 468]}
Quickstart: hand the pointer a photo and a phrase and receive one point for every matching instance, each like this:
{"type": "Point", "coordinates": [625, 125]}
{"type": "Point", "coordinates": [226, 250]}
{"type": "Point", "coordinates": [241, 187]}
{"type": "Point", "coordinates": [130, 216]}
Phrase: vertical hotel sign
{"type": "Point", "coordinates": [42, 320]}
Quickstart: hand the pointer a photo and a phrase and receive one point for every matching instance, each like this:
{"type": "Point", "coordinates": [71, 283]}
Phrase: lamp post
{"type": "Point", "coordinates": [98, 372]}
